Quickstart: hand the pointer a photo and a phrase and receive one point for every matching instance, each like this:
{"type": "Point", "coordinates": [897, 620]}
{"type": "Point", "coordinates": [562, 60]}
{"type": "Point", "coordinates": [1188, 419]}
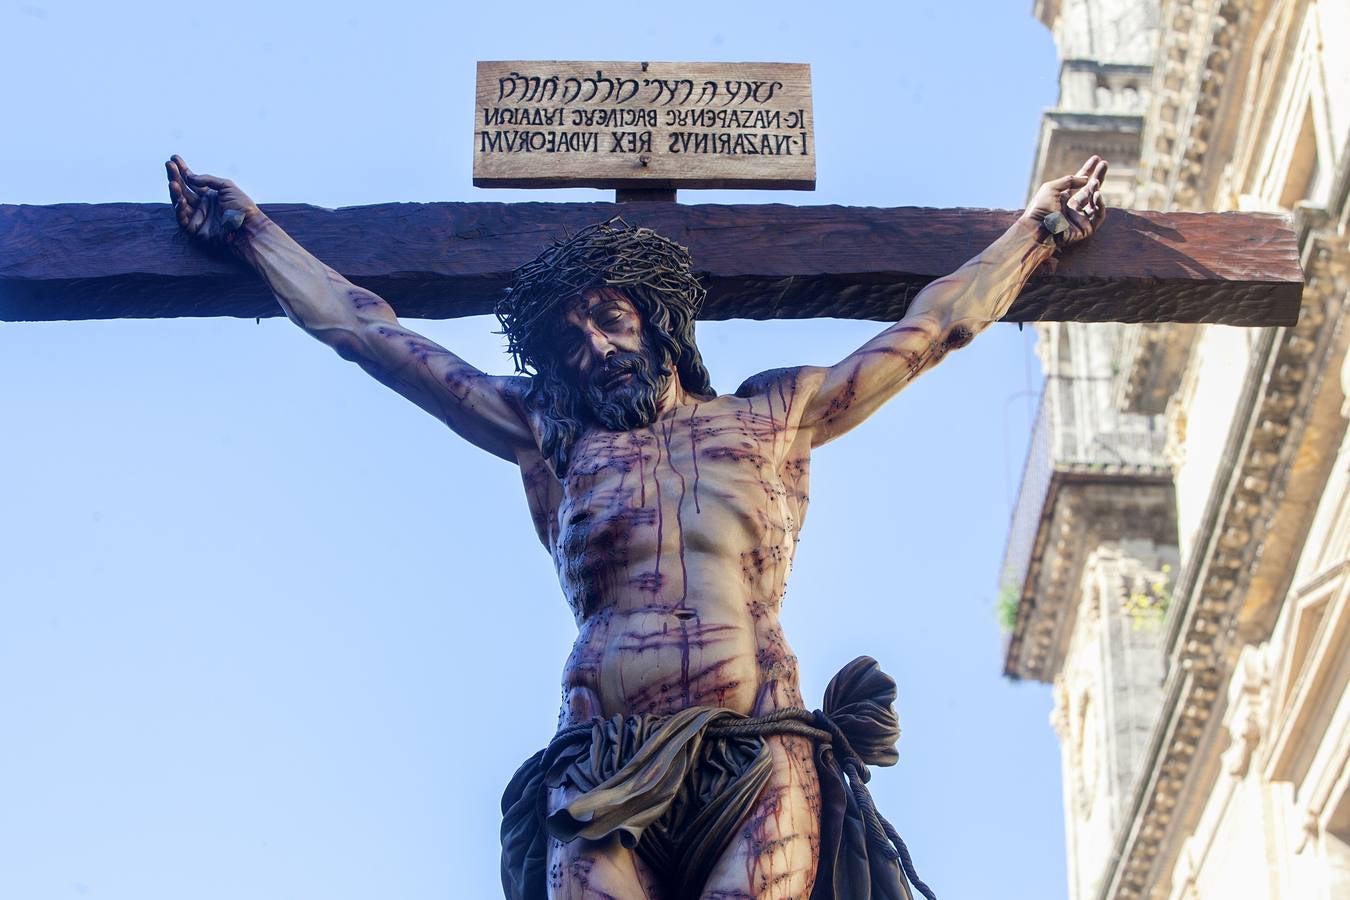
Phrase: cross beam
{"type": "Point", "coordinates": [442, 260]}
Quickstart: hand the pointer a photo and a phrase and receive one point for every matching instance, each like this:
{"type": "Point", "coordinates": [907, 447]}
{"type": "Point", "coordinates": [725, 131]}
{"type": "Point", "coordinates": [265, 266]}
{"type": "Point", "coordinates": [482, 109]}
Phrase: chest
{"type": "Point", "coordinates": [706, 474]}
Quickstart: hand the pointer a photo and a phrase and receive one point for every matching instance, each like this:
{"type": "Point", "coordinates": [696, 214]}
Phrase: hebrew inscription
{"type": "Point", "coordinates": [634, 125]}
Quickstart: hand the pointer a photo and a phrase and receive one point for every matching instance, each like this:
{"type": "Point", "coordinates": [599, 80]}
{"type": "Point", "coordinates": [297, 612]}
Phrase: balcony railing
{"type": "Point", "coordinates": [1079, 429]}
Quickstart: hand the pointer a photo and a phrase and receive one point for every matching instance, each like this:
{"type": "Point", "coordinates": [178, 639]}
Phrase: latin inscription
{"type": "Point", "coordinates": [554, 124]}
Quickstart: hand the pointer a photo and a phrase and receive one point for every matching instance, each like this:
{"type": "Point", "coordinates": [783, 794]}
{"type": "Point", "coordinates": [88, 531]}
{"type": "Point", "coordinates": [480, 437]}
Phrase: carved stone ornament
{"type": "Point", "coordinates": [1212, 589]}
{"type": "Point", "coordinates": [1248, 713]}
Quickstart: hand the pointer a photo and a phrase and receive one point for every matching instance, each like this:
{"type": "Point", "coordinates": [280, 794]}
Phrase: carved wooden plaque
{"type": "Point", "coordinates": [644, 125]}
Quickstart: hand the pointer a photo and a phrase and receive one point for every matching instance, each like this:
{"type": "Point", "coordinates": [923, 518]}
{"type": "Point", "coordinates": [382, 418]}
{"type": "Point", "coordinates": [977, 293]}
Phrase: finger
{"type": "Point", "coordinates": [209, 181]}
{"type": "Point", "coordinates": [183, 210]}
{"type": "Point", "coordinates": [175, 169]}
{"type": "Point", "coordinates": [176, 193]}
{"type": "Point", "coordinates": [173, 196]}
{"type": "Point", "coordinates": [200, 214]}
{"type": "Point", "coordinates": [1100, 172]}
{"type": "Point", "coordinates": [1083, 195]}
{"type": "Point", "coordinates": [1079, 221]}
{"type": "Point", "coordinates": [179, 167]}
{"type": "Point", "coordinates": [1068, 182]}
{"type": "Point", "coordinates": [199, 181]}
{"type": "Point", "coordinates": [1086, 169]}
{"type": "Point", "coordinates": [181, 207]}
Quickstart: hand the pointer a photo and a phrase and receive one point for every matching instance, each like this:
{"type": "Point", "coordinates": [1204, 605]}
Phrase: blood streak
{"type": "Point", "coordinates": [667, 433]}
{"type": "Point", "coordinates": [785, 401]}
{"type": "Point", "coordinates": [684, 662]}
{"type": "Point", "coordinates": [642, 474]}
{"type": "Point", "coordinates": [666, 430]}
{"type": "Point", "coordinates": [693, 453]}
{"type": "Point", "coordinates": [787, 407]}
{"type": "Point", "coordinates": [660, 512]}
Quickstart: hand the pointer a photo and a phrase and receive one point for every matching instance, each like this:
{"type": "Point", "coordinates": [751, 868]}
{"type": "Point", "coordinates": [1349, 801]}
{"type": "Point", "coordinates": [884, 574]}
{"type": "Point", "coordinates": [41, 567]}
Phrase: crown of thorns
{"type": "Point", "coordinates": [611, 253]}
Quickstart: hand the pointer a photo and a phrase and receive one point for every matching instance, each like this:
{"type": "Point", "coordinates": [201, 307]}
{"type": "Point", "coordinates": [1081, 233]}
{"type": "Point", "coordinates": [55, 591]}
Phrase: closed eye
{"type": "Point", "coordinates": [608, 315]}
{"type": "Point", "coordinates": [571, 349]}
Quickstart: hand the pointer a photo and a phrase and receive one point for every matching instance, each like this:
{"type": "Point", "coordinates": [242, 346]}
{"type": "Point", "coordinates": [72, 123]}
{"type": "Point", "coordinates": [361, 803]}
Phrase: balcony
{"type": "Point", "coordinates": [1084, 453]}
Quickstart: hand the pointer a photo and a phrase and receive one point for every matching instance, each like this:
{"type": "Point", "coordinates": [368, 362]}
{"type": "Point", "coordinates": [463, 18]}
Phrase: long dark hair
{"type": "Point", "coordinates": [653, 272]}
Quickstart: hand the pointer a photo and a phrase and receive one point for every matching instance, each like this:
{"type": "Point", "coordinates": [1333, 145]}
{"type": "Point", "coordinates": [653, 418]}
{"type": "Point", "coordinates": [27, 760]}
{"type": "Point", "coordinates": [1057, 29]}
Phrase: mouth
{"type": "Point", "coordinates": [616, 379]}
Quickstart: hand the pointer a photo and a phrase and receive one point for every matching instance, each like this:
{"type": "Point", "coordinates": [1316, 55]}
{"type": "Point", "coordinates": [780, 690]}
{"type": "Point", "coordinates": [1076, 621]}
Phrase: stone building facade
{"type": "Point", "coordinates": [1179, 556]}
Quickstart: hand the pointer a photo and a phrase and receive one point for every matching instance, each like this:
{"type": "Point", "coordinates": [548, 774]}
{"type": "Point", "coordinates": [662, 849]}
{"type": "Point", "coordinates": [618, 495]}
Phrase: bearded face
{"type": "Point", "coordinates": [610, 360]}
{"type": "Point", "coordinates": [623, 393]}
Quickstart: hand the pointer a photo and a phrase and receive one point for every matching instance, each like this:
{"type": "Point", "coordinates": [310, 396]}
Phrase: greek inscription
{"type": "Point", "coordinates": [614, 118]}
{"type": "Point", "coordinates": [507, 115]}
{"type": "Point", "coordinates": [726, 118]}
{"type": "Point", "coordinates": [610, 116]}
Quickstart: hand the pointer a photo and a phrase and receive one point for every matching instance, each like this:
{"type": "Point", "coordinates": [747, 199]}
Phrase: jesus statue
{"type": "Point", "coordinates": [684, 764]}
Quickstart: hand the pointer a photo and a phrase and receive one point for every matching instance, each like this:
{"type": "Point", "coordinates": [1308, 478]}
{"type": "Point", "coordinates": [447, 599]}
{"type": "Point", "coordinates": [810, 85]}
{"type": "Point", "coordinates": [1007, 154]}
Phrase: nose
{"type": "Point", "coordinates": [598, 345]}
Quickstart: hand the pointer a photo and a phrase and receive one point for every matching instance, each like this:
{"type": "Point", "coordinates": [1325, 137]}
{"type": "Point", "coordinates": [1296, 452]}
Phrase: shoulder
{"type": "Point", "coordinates": [788, 380]}
{"type": "Point", "coordinates": [515, 391]}
{"type": "Point", "coordinates": [514, 387]}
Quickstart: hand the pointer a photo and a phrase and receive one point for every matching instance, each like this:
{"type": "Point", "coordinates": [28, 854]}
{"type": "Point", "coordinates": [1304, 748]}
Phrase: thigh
{"type": "Point", "coordinates": [595, 870]}
{"type": "Point", "coordinates": [776, 850]}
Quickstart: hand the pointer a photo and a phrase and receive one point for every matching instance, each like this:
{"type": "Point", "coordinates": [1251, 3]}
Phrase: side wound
{"type": "Point", "coordinates": [958, 337]}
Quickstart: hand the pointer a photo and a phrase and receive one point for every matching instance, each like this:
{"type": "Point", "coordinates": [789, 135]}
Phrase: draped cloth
{"type": "Point", "coordinates": [676, 788]}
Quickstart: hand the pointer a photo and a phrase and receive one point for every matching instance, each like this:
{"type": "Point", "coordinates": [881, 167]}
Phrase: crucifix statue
{"type": "Point", "coordinates": [685, 763]}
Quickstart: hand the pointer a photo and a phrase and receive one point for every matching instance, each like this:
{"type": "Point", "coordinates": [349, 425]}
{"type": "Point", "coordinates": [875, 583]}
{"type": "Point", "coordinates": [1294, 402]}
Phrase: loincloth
{"type": "Point", "coordinates": [675, 789]}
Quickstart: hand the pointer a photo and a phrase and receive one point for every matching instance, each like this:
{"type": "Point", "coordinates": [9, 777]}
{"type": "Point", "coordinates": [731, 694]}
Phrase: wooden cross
{"type": "Point", "coordinates": [443, 260]}
{"type": "Point", "coordinates": [609, 124]}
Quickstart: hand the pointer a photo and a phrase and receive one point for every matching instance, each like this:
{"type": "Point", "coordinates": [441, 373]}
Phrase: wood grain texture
{"type": "Point", "coordinates": [643, 125]}
{"type": "Point", "coordinates": [442, 260]}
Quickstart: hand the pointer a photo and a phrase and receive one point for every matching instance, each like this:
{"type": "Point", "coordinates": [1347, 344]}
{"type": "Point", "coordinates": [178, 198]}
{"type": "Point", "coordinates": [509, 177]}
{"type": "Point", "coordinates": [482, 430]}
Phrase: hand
{"type": "Point", "coordinates": [1077, 198]}
{"type": "Point", "coordinates": [208, 208]}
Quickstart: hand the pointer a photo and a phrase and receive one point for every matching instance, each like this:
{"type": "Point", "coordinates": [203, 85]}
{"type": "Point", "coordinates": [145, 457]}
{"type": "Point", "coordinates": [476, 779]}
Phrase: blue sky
{"type": "Point", "coordinates": [269, 631]}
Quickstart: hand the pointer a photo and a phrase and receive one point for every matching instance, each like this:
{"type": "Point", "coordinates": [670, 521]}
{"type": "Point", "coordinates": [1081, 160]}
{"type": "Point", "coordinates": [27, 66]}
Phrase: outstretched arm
{"type": "Point", "coordinates": [950, 311]}
{"type": "Point", "coordinates": [355, 322]}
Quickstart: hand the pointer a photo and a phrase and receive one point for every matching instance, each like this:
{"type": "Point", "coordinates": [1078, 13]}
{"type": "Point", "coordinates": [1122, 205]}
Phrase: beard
{"type": "Point", "coordinates": [631, 403]}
